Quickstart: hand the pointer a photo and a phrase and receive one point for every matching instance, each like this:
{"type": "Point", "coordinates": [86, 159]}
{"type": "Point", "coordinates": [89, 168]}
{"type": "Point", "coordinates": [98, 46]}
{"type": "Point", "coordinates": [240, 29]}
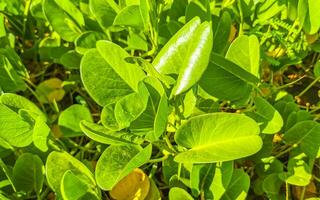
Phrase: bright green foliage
{"type": "Point", "coordinates": [169, 99]}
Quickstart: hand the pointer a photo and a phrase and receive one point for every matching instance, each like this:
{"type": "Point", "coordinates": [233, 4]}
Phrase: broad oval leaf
{"type": "Point", "coordinates": [28, 173]}
{"type": "Point", "coordinates": [117, 161]}
{"type": "Point", "coordinates": [129, 16]}
{"type": "Point", "coordinates": [105, 89]}
{"type": "Point", "coordinates": [218, 137]}
{"type": "Point", "coordinates": [115, 56]}
{"type": "Point", "coordinates": [60, 162]}
{"type": "Point", "coordinates": [135, 185]}
{"type": "Point", "coordinates": [245, 52]}
{"type": "Point", "coordinates": [239, 186]}
{"type": "Point", "coordinates": [104, 11]}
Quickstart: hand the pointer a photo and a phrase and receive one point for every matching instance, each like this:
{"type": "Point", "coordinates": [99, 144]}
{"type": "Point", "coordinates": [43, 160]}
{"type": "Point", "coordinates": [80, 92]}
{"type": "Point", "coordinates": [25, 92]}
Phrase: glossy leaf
{"type": "Point", "coordinates": [212, 138]}
{"type": "Point", "coordinates": [104, 11]}
{"type": "Point", "coordinates": [129, 16]}
{"type": "Point", "coordinates": [117, 161]}
{"type": "Point", "coordinates": [176, 193]}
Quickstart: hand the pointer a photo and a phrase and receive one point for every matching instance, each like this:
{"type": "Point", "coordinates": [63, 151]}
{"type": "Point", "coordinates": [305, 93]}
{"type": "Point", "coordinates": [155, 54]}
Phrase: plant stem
{"type": "Point", "coordinates": [309, 86]}
{"type": "Point", "coordinates": [156, 160]}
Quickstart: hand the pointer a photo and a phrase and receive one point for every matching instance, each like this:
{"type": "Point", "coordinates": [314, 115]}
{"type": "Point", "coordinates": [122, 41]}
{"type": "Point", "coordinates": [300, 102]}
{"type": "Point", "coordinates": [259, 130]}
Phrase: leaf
{"type": "Point", "coordinates": [117, 161]}
{"type": "Point", "coordinates": [245, 52]}
{"type": "Point", "coordinates": [239, 186]}
{"type": "Point", "coordinates": [224, 85]}
{"type": "Point", "coordinates": [217, 137]}
{"type": "Point", "coordinates": [132, 73]}
{"type": "Point", "coordinates": [73, 186]}
{"type": "Point", "coordinates": [70, 118]}
{"type": "Point", "coordinates": [13, 128]}
{"type": "Point", "coordinates": [269, 117]}
{"type": "Point", "coordinates": [134, 186]}
{"type": "Point", "coordinates": [196, 60]}
{"type": "Point", "coordinates": [87, 40]}
{"type": "Point", "coordinates": [71, 60]}
{"type": "Point", "coordinates": [172, 55]}
{"type": "Point", "coordinates": [105, 136]}
{"type": "Point", "coordinates": [40, 135]}
{"type": "Point", "coordinates": [308, 12]}
{"type": "Point", "coordinates": [233, 69]}
{"type": "Point", "coordinates": [60, 162]}
{"type": "Point", "coordinates": [272, 185]}
{"type": "Point", "coordinates": [221, 27]}
{"type": "Point", "coordinates": [299, 172]}
{"type": "Point", "coordinates": [129, 16]}
{"type": "Point", "coordinates": [221, 179]}
{"type": "Point", "coordinates": [10, 79]}
{"type": "Point", "coordinates": [50, 90]}
{"type": "Point", "coordinates": [28, 173]}
{"type": "Point", "coordinates": [187, 54]}
{"type": "Point", "coordinates": [72, 11]}
{"type": "Point", "coordinates": [176, 193]}
{"type": "Point", "coordinates": [61, 20]}
{"type": "Point", "coordinates": [17, 102]}
{"type": "Point", "coordinates": [105, 89]}
{"type": "Point", "coordinates": [316, 69]}
{"type": "Point", "coordinates": [198, 8]}
{"type": "Point", "coordinates": [305, 134]}
{"type": "Point", "coordinates": [154, 193]}
{"type": "Point", "coordinates": [104, 11]}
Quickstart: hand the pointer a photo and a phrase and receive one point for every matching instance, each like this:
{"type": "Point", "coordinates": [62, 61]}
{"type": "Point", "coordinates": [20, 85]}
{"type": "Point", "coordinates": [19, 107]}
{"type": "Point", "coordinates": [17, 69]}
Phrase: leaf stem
{"type": "Point", "coordinates": [309, 86]}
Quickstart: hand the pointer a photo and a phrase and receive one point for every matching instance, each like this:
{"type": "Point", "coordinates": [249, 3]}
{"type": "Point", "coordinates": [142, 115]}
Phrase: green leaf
{"type": "Point", "coordinates": [13, 128]}
{"type": "Point", "coordinates": [129, 72]}
{"type": "Point", "coordinates": [169, 60]}
{"type": "Point", "coordinates": [104, 11]}
{"type": "Point", "coordinates": [105, 89]}
{"type": "Point", "coordinates": [87, 40]}
{"type": "Point", "coordinates": [70, 118]}
{"type": "Point", "coordinates": [221, 179]}
{"type": "Point", "coordinates": [60, 162]}
{"type": "Point", "coordinates": [316, 69]}
{"type": "Point", "coordinates": [28, 173]}
{"type": "Point", "coordinates": [62, 19]}
{"type": "Point", "coordinates": [117, 161]}
{"type": "Point", "coordinates": [272, 185]}
{"type": "Point", "coordinates": [187, 54]}
{"type": "Point", "coordinates": [224, 85]}
{"type": "Point", "coordinates": [233, 69]}
{"type": "Point", "coordinates": [269, 117]}
{"type": "Point", "coordinates": [221, 27]}
{"type": "Point", "coordinates": [305, 134]}
{"type": "Point", "coordinates": [11, 81]}
{"type": "Point", "coordinates": [72, 11]}
{"type": "Point", "coordinates": [245, 52]}
{"type": "Point", "coordinates": [105, 136]}
{"type": "Point", "coordinates": [299, 172]}
{"type": "Point", "coordinates": [40, 135]}
{"type": "Point", "coordinates": [195, 60]}
{"type": "Point", "coordinates": [218, 137]}
{"type": "Point", "coordinates": [129, 16]}
{"type": "Point", "coordinates": [308, 12]}
{"type": "Point", "coordinates": [17, 102]}
{"type": "Point", "coordinates": [73, 186]}
{"type": "Point", "coordinates": [176, 193]}
{"type": "Point", "coordinates": [239, 186]}
{"type": "Point", "coordinates": [71, 60]}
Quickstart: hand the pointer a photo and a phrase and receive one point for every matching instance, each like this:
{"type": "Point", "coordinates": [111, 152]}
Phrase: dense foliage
{"type": "Point", "coordinates": [159, 99]}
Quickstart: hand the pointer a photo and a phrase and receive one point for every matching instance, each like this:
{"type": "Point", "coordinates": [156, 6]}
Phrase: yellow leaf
{"type": "Point", "coordinates": [135, 186]}
{"type": "Point", "coordinates": [50, 90]}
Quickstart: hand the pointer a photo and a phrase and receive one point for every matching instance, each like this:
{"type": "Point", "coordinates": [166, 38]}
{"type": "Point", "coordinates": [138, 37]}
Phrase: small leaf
{"type": "Point", "coordinates": [117, 161]}
{"type": "Point", "coordinates": [40, 135]}
{"type": "Point", "coordinates": [70, 118]}
{"type": "Point", "coordinates": [176, 193]}
{"type": "Point", "coordinates": [50, 90]}
{"type": "Point", "coordinates": [129, 16]}
{"type": "Point", "coordinates": [245, 52]}
{"type": "Point", "coordinates": [134, 186]}
{"type": "Point", "coordinates": [218, 137]}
